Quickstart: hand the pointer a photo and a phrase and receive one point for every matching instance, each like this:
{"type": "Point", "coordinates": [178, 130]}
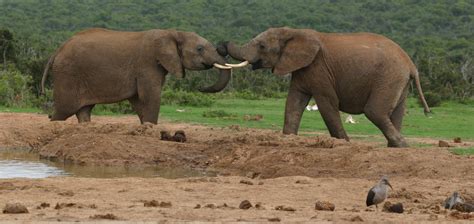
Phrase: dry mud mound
{"type": "Point", "coordinates": [235, 151]}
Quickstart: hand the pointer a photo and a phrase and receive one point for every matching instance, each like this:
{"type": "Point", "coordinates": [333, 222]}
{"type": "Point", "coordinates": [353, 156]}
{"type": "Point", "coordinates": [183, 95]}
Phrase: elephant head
{"type": "Point", "coordinates": [283, 50]}
{"type": "Point", "coordinates": [177, 51]}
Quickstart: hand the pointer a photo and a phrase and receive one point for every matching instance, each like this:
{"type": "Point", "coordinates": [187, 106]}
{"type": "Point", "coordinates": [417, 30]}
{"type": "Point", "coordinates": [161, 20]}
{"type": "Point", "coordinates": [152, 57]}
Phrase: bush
{"type": "Point", "coordinates": [122, 107]}
{"type": "Point", "coordinates": [247, 95]}
{"type": "Point", "coordinates": [14, 90]}
{"type": "Point", "coordinates": [433, 99]}
{"type": "Point", "coordinates": [182, 98]}
{"type": "Point", "coordinates": [219, 114]}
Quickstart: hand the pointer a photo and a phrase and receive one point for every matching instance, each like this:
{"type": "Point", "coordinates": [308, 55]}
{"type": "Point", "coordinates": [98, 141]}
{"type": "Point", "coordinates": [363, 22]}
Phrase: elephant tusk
{"type": "Point", "coordinates": [221, 66]}
{"type": "Point", "coordinates": [245, 63]}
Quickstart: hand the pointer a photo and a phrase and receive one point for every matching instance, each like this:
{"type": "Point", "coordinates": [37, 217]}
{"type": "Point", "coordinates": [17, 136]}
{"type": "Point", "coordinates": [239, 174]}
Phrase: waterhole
{"type": "Point", "coordinates": [22, 163]}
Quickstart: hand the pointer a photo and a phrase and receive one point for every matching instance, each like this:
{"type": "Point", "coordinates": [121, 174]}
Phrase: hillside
{"type": "Point", "coordinates": [439, 35]}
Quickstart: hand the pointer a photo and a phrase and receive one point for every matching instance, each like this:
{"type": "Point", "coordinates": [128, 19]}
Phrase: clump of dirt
{"type": "Point", "coordinates": [154, 203]}
{"type": "Point", "coordinates": [230, 151]}
{"type": "Point", "coordinates": [324, 206]}
{"type": "Point", "coordinates": [15, 208]}
{"type": "Point", "coordinates": [393, 208]}
{"type": "Point", "coordinates": [285, 208]}
{"type": "Point", "coordinates": [245, 204]}
{"type": "Point", "coordinates": [108, 216]}
{"type": "Point", "coordinates": [64, 205]}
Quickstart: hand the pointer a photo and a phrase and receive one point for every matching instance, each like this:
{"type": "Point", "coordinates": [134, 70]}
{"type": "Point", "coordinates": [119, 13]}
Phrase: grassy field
{"type": "Point", "coordinates": [447, 121]}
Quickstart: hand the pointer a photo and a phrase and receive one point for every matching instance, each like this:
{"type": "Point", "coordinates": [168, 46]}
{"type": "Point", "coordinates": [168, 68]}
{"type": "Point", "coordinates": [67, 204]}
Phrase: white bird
{"type": "Point", "coordinates": [350, 120]}
{"type": "Point", "coordinates": [312, 108]}
{"type": "Point", "coordinates": [378, 193]}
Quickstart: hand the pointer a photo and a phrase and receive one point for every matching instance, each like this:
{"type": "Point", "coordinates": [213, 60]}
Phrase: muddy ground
{"type": "Point", "coordinates": [326, 169]}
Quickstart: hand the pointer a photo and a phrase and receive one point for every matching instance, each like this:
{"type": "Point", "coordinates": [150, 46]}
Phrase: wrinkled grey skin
{"type": "Point", "coordinates": [104, 66]}
{"type": "Point", "coordinates": [354, 73]}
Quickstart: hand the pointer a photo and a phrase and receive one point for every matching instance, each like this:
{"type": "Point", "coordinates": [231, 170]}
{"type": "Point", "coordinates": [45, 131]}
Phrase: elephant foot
{"type": "Point", "coordinates": [397, 144]}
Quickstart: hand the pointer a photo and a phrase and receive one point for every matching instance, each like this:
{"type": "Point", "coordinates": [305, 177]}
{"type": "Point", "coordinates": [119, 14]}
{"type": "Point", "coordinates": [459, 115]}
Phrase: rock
{"type": "Point", "coordinates": [259, 206]}
{"type": "Point", "coordinates": [356, 219]}
{"type": "Point", "coordinates": [179, 136]}
{"type": "Point", "coordinates": [15, 208]}
{"type": "Point", "coordinates": [284, 208]}
{"type": "Point", "coordinates": [260, 183]}
{"type": "Point", "coordinates": [64, 205]}
{"type": "Point", "coordinates": [165, 204]}
{"type": "Point", "coordinates": [442, 143]}
{"type": "Point", "coordinates": [393, 208]}
{"type": "Point", "coordinates": [276, 219]}
{"type": "Point", "coordinates": [198, 206]}
{"type": "Point", "coordinates": [245, 204]}
{"type": "Point", "coordinates": [457, 140]}
{"type": "Point", "coordinates": [154, 203]}
{"type": "Point", "coordinates": [210, 206]}
{"type": "Point", "coordinates": [246, 182]}
{"type": "Point", "coordinates": [166, 136]}
{"type": "Point", "coordinates": [324, 206]}
{"type": "Point", "coordinates": [109, 216]}
{"type": "Point", "coordinates": [43, 205]}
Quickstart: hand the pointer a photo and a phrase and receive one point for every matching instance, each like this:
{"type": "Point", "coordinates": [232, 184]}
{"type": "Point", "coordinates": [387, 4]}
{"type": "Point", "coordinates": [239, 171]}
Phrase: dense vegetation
{"type": "Point", "coordinates": [438, 35]}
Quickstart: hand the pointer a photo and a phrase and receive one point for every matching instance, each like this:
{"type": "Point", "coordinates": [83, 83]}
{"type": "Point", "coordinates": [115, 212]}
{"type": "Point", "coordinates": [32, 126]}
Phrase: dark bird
{"type": "Point", "coordinates": [378, 193]}
{"type": "Point", "coordinates": [451, 201]}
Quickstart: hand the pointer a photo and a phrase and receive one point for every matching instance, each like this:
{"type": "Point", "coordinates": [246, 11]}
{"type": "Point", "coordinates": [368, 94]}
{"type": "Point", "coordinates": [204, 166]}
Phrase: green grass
{"type": "Point", "coordinates": [463, 151]}
{"type": "Point", "coordinates": [447, 121]}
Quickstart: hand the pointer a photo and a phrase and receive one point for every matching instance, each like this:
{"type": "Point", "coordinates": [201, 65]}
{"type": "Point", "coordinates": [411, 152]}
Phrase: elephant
{"type": "Point", "coordinates": [100, 66]}
{"type": "Point", "coordinates": [350, 72]}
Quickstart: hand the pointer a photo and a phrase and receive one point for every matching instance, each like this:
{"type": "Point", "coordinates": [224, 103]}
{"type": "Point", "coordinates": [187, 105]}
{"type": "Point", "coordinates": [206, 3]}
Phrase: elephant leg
{"type": "Point", "coordinates": [137, 107]}
{"type": "Point", "coordinates": [399, 112]}
{"type": "Point", "coordinates": [63, 113]}
{"type": "Point", "coordinates": [382, 109]}
{"type": "Point", "coordinates": [332, 118]}
{"type": "Point", "coordinates": [84, 114]}
{"type": "Point", "coordinates": [295, 105]}
{"type": "Point", "coordinates": [149, 94]}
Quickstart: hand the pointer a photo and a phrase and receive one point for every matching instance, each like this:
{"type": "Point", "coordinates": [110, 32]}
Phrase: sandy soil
{"type": "Point", "coordinates": [326, 169]}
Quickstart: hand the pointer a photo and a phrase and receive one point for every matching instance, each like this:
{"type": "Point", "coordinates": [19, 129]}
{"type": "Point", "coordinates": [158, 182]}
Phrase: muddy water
{"type": "Point", "coordinates": [21, 163]}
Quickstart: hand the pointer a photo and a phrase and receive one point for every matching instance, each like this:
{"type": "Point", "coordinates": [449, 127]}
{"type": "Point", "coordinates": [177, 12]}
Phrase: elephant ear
{"type": "Point", "coordinates": [169, 53]}
{"type": "Point", "coordinates": [298, 51]}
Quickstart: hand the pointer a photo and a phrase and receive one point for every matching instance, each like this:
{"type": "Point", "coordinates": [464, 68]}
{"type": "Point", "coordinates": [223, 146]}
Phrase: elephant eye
{"type": "Point", "coordinates": [261, 46]}
{"type": "Point", "coordinates": [200, 48]}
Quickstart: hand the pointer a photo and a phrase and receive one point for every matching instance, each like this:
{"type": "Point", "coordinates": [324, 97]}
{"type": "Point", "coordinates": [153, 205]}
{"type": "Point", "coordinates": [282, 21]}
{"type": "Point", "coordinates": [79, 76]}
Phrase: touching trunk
{"type": "Point", "coordinates": [235, 51]}
{"type": "Point", "coordinates": [224, 78]}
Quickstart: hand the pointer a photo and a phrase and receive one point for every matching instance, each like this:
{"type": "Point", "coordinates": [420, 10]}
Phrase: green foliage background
{"type": "Point", "coordinates": [438, 35]}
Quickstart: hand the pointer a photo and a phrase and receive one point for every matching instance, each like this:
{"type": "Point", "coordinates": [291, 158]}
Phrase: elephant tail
{"type": "Point", "coordinates": [49, 64]}
{"type": "Point", "coordinates": [45, 73]}
{"type": "Point", "coordinates": [416, 77]}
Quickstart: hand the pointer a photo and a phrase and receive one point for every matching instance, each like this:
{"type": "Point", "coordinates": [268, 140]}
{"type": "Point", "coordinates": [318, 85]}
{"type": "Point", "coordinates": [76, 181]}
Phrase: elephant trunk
{"type": "Point", "coordinates": [234, 51]}
{"type": "Point", "coordinates": [224, 78]}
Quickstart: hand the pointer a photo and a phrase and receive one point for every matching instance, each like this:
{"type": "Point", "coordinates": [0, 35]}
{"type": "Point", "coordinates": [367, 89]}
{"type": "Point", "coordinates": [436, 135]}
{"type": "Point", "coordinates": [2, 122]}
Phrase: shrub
{"type": "Point", "coordinates": [433, 99]}
{"type": "Point", "coordinates": [122, 107]}
{"type": "Point", "coordinates": [183, 98]}
{"type": "Point", "coordinates": [219, 114]}
{"type": "Point", "coordinates": [14, 90]}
